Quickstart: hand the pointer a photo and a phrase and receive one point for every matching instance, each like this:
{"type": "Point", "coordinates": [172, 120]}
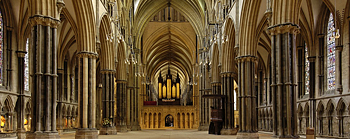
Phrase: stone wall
{"type": "Point", "coordinates": [153, 117]}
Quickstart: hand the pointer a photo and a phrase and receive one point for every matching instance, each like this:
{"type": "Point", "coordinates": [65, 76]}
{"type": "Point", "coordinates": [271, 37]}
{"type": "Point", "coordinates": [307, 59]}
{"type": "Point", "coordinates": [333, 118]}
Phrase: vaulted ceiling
{"type": "Point", "coordinates": [169, 42]}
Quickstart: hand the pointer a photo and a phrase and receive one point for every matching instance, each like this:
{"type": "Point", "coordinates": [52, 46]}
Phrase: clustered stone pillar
{"type": "Point", "coordinates": [44, 90]}
{"type": "Point", "coordinates": [86, 96]}
{"type": "Point", "coordinates": [229, 115]}
{"type": "Point", "coordinates": [204, 103]}
{"type": "Point", "coordinates": [247, 98]}
{"type": "Point", "coordinates": [108, 124]}
{"type": "Point", "coordinates": [60, 89]}
{"type": "Point", "coordinates": [134, 97]}
{"type": "Point", "coordinates": [21, 133]}
{"type": "Point", "coordinates": [312, 111]}
{"type": "Point", "coordinates": [338, 50]}
{"type": "Point", "coordinates": [283, 59]}
{"type": "Point", "coordinates": [121, 106]}
{"type": "Point", "coordinates": [216, 90]}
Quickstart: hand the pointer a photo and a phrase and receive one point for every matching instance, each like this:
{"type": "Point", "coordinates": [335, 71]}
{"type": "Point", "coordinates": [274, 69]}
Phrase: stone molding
{"type": "Point", "coordinates": [21, 54]}
{"type": "Point", "coordinates": [108, 71]}
{"type": "Point", "coordinates": [60, 5]}
{"type": "Point", "coordinates": [82, 54]}
{"type": "Point", "coordinates": [228, 74]}
{"type": "Point", "coordinates": [339, 47]}
{"type": "Point", "coordinates": [216, 83]}
{"type": "Point", "coordinates": [44, 20]}
{"type": "Point", "coordinates": [284, 28]}
{"type": "Point", "coordinates": [247, 58]}
{"type": "Point", "coordinates": [122, 81]}
{"type": "Point", "coordinates": [312, 58]}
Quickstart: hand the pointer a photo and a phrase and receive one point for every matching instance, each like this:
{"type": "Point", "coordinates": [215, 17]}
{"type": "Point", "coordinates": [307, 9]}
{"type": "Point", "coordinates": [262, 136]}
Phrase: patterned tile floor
{"type": "Point", "coordinates": [168, 134]}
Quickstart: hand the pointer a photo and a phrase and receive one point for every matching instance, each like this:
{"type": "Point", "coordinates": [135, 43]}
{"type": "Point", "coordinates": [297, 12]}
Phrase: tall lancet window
{"type": "Point", "coordinates": [307, 72]}
{"type": "Point", "coordinates": [1, 49]}
{"type": "Point", "coordinates": [26, 67]}
{"type": "Point", "coordinates": [330, 54]}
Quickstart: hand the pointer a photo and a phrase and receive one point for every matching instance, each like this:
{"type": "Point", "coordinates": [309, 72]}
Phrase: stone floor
{"type": "Point", "coordinates": [167, 134]}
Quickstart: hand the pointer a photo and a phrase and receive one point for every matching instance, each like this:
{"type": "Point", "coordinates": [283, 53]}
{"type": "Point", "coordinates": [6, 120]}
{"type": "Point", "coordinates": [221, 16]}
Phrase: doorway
{"type": "Point", "coordinates": [169, 121]}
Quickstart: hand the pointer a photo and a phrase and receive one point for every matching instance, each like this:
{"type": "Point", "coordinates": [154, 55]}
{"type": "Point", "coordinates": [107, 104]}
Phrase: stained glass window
{"type": "Point", "coordinates": [307, 72]}
{"type": "Point", "coordinates": [330, 53]}
{"type": "Point", "coordinates": [26, 68]}
{"type": "Point", "coordinates": [1, 49]}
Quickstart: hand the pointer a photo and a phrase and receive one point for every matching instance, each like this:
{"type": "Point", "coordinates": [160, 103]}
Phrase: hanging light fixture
{"type": "Point", "coordinates": [335, 33]}
{"type": "Point", "coordinates": [110, 37]}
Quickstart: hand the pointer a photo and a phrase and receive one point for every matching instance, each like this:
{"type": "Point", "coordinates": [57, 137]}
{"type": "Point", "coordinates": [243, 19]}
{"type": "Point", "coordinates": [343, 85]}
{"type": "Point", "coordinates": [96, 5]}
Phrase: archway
{"type": "Point", "coordinates": [169, 121]}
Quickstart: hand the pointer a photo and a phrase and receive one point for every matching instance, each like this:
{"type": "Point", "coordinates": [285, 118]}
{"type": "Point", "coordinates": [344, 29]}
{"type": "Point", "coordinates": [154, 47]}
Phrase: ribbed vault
{"type": "Point", "coordinates": [168, 44]}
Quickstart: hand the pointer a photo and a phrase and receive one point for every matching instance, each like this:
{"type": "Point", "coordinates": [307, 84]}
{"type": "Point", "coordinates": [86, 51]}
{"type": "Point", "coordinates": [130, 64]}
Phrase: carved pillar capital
{"type": "Point", "coordinates": [82, 54]}
{"type": "Point", "coordinates": [108, 71]}
{"type": "Point", "coordinates": [248, 58]}
{"type": "Point", "coordinates": [312, 58]}
{"type": "Point", "coordinates": [21, 54]}
{"type": "Point", "coordinates": [339, 48]}
{"type": "Point", "coordinates": [284, 28]}
{"type": "Point", "coordinates": [44, 20]}
{"type": "Point", "coordinates": [60, 5]}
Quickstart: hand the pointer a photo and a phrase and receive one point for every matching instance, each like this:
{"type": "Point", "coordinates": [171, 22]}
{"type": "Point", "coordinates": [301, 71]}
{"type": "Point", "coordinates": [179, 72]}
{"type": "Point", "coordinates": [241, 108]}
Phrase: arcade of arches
{"type": "Point", "coordinates": [94, 67]}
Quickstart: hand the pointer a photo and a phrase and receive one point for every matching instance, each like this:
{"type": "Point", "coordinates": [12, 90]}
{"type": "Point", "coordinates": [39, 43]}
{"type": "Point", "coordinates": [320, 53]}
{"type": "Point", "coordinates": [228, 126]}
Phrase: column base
{"type": "Point", "coordinates": [122, 128]}
{"type": "Point", "coordinates": [135, 128]}
{"type": "Point", "coordinates": [203, 128]}
{"type": "Point", "coordinates": [108, 130]}
{"type": "Point", "coordinates": [85, 133]}
{"type": "Point", "coordinates": [43, 135]}
{"type": "Point", "coordinates": [60, 131]}
{"type": "Point", "coordinates": [289, 137]}
{"type": "Point", "coordinates": [245, 135]}
{"type": "Point", "coordinates": [21, 134]}
{"type": "Point", "coordinates": [128, 127]}
{"type": "Point", "coordinates": [229, 131]}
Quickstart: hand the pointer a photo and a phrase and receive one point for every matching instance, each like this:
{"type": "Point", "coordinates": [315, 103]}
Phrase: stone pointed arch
{"type": "Point", "coordinates": [24, 29]}
{"type": "Point", "coordinates": [28, 107]}
{"type": "Point", "coordinates": [192, 10]}
{"type": "Point", "coordinates": [330, 107]}
{"type": "Point", "coordinates": [247, 41]}
{"type": "Point", "coordinates": [341, 107]}
{"type": "Point", "coordinates": [66, 34]}
{"type": "Point", "coordinates": [300, 110]}
{"type": "Point", "coordinates": [228, 53]}
{"type": "Point", "coordinates": [320, 107]}
{"type": "Point", "coordinates": [121, 61]}
{"type": "Point", "coordinates": [69, 110]}
{"type": "Point", "coordinates": [8, 104]}
{"type": "Point", "coordinates": [107, 51]}
{"type": "Point", "coordinates": [306, 109]}
{"type": "Point", "coordinates": [64, 110]}
{"type": "Point", "coordinates": [307, 34]}
{"type": "Point", "coordinates": [215, 64]}
{"type": "Point", "coordinates": [86, 22]}
{"type": "Point", "coordinates": [1, 106]}
{"type": "Point", "coordinates": [285, 11]}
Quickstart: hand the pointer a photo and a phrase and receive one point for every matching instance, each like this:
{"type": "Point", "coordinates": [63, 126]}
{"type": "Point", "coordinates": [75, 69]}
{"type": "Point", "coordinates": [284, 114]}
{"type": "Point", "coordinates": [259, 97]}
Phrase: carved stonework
{"type": "Point", "coordinates": [60, 5]}
{"type": "Point", "coordinates": [268, 15]}
{"type": "Point", "coordinates": [108, 71]}
{"type": "Point", "coordinates": [284, 28]}
{"type": "Point", "coordinates": [21, 53]}
{"type": "Point", "coordinates": [236, 48]}
{"type": "Point", "coordinates": [87, 54]}
{"type": "Point", "coordinates": [183, 117]}
{"type": "Point", "coordinates": [44, 20]}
